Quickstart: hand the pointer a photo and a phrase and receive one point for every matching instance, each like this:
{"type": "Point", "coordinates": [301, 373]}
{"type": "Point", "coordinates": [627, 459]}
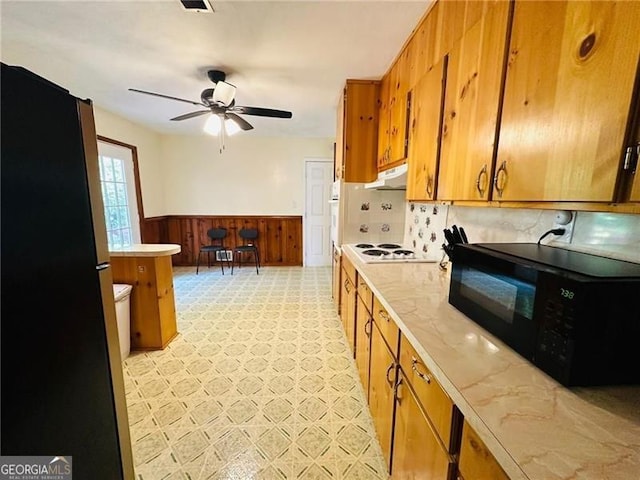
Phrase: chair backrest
{"type": "Point", "coordinates": [217, 234]}
{"type": "Point", "coordinates": [248, 235]}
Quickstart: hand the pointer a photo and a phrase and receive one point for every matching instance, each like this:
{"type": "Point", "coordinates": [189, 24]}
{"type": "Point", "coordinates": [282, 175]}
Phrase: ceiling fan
{"type": "Point", "coordinates": [220, 102]}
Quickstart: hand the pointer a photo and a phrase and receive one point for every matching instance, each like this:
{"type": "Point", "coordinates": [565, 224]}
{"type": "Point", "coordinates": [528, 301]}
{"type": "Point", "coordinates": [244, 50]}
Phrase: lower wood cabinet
{"type": "Point", "coordinates": [382, 380]}
{"type": "Point", "coordinates": [153, 309]}
{"type": "Point", "coordinates": [364, 325]}
{"type": "Point", "coordinates": [476, 461]}
{"type": "Point", "coordinates": [348, 308]}
{"type": "Point", "coordinates": [442, 413]}
{"type": "Point", "coordinates": [417, 451]}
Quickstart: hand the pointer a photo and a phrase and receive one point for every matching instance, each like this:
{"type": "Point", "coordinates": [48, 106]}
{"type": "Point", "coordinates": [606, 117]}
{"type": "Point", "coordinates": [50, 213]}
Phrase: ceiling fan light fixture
{"type": "Point", "coordinates": [231, 127]}
{"type": "Point", "coordinates": [224, 93]}
{"type": "Point", "coordinates": [213, 125]}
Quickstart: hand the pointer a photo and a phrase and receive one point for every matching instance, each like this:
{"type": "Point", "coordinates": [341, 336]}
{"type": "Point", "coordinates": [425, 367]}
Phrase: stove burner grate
{"type": "Point", "coordinates": [389, 245]}
{"type": "Point", "coordinates": [403, 252]}
{"type": "Point", "coordinates": [365, 245]}
{"type": "Point", "coordinates": [375, 252]}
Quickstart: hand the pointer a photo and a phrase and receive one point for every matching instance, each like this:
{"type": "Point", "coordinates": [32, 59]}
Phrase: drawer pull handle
{"type": "Point", "coordinates": [425, 376]}
{"type": "Point", "coordinates": [384, 315]}
{"type": "Point", "coordinates": [389, 369]}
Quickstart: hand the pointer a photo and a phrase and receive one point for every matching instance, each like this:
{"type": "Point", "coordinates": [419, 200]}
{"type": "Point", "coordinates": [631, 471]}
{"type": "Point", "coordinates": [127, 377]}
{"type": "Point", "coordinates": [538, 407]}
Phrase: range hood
{"type": "Point", "coordinates": [392, 179]}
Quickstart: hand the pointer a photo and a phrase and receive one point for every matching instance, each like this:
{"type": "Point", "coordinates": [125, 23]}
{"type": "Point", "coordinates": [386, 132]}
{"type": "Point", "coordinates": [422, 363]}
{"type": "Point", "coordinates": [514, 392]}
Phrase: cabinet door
{"type": "Point", "coordinates": [383, 121]}
{"type": "Point", "coordinates": [399, 89]}
{"type": "Point", "coordinates": [336, 279]}
{"type": "Point", "coordinates": [381, 391]}
{"type": "Point", "coordinates": [364, 324]}
{"type": "Point", "coordinates": [474, 78]}
{"type": "Point", "coordinates": [417, 453]}
{"type": "Point", "coordinates": [360, 131]}
{"type": "Point", "coordinates": [348, 309]}
{"type": "Point", "coordinates": [426, 46]}
{"type": "Point", "coordinates": [476, 461]}
{"type": "Point", "coordinates": [424, 134]}
{"type": "Point", "coordinates": [568, 90]}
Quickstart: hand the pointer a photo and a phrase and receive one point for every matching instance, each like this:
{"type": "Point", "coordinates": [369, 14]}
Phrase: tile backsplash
{"type": "Point", "coordinates": [424, 224]}
{"type": "Point", "coordinates": [373, 216]}
{"type": "Point", "coordinates": [608, 234]}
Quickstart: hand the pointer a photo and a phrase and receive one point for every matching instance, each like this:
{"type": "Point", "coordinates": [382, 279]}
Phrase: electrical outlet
{"type": "Point", "coordinates": [564, 219]}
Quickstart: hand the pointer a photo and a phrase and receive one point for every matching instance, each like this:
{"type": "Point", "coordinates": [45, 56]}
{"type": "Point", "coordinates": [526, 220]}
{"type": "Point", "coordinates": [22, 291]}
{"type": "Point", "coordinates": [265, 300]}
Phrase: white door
{"type": "Point", "coordinates": [317, 219]}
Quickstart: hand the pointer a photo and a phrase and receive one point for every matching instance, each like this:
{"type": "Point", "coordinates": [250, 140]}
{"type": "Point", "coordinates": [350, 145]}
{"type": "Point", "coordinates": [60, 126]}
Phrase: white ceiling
{"type": "Point", "coordinates": [290, 55]}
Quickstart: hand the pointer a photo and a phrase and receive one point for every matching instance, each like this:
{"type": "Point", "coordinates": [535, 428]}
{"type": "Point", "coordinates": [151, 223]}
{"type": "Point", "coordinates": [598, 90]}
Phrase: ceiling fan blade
{"type": "Point", "coordinates": [191, 115]}
{"type": "Point", "coordinates": [261, 112]}
{"type": "Point", "coordinates": [242, 123]}
{"type": "Point", "coordinates": [224, 93]}
{"type": "Point", "coordinates": [166, 96]}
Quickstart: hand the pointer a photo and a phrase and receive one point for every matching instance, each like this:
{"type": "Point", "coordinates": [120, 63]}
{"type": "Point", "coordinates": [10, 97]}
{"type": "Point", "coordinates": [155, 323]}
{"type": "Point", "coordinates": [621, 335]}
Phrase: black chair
{"type": "Point", "coordinates": [217, 236]}
{"type": "Point", "coordinates": [248, 236]}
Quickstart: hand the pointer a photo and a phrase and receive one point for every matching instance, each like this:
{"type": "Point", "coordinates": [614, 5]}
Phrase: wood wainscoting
{"type": "Point", "coordinates": [279, 237]}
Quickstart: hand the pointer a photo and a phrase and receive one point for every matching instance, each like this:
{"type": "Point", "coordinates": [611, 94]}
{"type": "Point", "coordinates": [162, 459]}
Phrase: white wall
{"type": "Point", "coordinates": [149, 156]}
{"type": "Point", "coordinates": [253, 176]}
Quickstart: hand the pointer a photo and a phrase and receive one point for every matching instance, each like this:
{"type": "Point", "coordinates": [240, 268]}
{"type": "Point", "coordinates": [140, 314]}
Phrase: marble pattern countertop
{"type": "Point", "coordinates": [146, 250]}
{"type": "Point", "coordinates": [535, 427]}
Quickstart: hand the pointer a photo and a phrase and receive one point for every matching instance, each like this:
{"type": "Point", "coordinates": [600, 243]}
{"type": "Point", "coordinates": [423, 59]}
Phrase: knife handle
{"type": "Point", "coordinates": [463, 235]}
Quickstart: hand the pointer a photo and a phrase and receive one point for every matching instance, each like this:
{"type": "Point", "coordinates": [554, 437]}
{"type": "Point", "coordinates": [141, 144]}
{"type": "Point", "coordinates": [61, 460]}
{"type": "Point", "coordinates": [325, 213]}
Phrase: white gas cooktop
{"type": "Point", "coordinates": [387, 253]}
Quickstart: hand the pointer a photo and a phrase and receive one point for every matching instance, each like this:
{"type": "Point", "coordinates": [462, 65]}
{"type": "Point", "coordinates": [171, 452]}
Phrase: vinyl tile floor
{"type": "Point", "coordinates": [260, 384]}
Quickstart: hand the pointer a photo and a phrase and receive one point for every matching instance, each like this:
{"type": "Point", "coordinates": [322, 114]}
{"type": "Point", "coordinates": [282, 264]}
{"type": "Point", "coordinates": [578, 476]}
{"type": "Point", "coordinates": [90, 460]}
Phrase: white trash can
{"type": "Point", "coordinates": [122, 294]}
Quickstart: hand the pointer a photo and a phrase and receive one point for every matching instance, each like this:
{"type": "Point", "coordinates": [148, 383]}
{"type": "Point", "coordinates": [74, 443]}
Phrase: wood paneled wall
{"type": "Point", "coordinates": [279, 238]}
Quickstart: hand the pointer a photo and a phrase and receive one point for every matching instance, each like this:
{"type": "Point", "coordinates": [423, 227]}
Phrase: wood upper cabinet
{"type": "Point", "coordinates": [569, 84]}
{"type": "Point", "coordinates": [393, 133]}
{"type": "Point", "coordinates": [356, 139]}
{"type": "Point", "coordinates": [382, 380]}
{"type": "Point", "coordinates": [383, 122]}
{"type": "Point", "coordinates": [633, 160]}
{"type": "Point", "coordinates": [476, 461]}
{"type": "Point", "coordinates": [473, 93]}
{"type": "Point", "coordinates": [417, 452]}
{"type": "Point", "coordinates": [424, 133]}
{"type": "Point", "coordinates": [424, 53]}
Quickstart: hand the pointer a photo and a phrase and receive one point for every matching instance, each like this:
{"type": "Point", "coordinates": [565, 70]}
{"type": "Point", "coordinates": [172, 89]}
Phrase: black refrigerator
{"type": "Point", "coordinates": [61, 376]}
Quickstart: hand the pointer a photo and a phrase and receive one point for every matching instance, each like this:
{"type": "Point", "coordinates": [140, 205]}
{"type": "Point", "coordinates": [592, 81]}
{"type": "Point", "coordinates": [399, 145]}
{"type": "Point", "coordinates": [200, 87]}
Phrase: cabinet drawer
{"type": "Point", "coordinates": [476, 461]}
{"type": "Point", "coordinates": [431, 396]}
{"type": "Point", "coordinates": [387, 326]}
{"type": "Point", "coordinates": [365, 293]}
{"type": "Point", "coordinates": [349, 269]}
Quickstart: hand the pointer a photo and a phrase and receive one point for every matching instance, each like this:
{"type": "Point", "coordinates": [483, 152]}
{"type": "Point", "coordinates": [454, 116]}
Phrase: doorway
{"type": "Point", "coordinates": [318, 174]}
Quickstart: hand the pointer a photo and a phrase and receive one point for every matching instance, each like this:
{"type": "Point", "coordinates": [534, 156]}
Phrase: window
{"type": "Point", "coordinates": [118, 195]}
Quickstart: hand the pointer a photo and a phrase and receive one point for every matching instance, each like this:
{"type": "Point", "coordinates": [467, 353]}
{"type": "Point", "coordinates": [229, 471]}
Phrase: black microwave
{"type": "Point", "coordinates": [574, 315]}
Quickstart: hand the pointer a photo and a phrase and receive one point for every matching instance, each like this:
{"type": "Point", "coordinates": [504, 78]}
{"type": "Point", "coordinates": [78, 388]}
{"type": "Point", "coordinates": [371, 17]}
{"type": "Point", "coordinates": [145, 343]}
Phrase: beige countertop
{"type": "Point", "coordinates": [535, 427]}
{"type": "Point", "coordinates": [146, 250]}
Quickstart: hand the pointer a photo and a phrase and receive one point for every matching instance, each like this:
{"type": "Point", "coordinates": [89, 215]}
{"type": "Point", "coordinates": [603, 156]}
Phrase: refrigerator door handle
{"type": "Point", "coordinates": [103, 266]}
